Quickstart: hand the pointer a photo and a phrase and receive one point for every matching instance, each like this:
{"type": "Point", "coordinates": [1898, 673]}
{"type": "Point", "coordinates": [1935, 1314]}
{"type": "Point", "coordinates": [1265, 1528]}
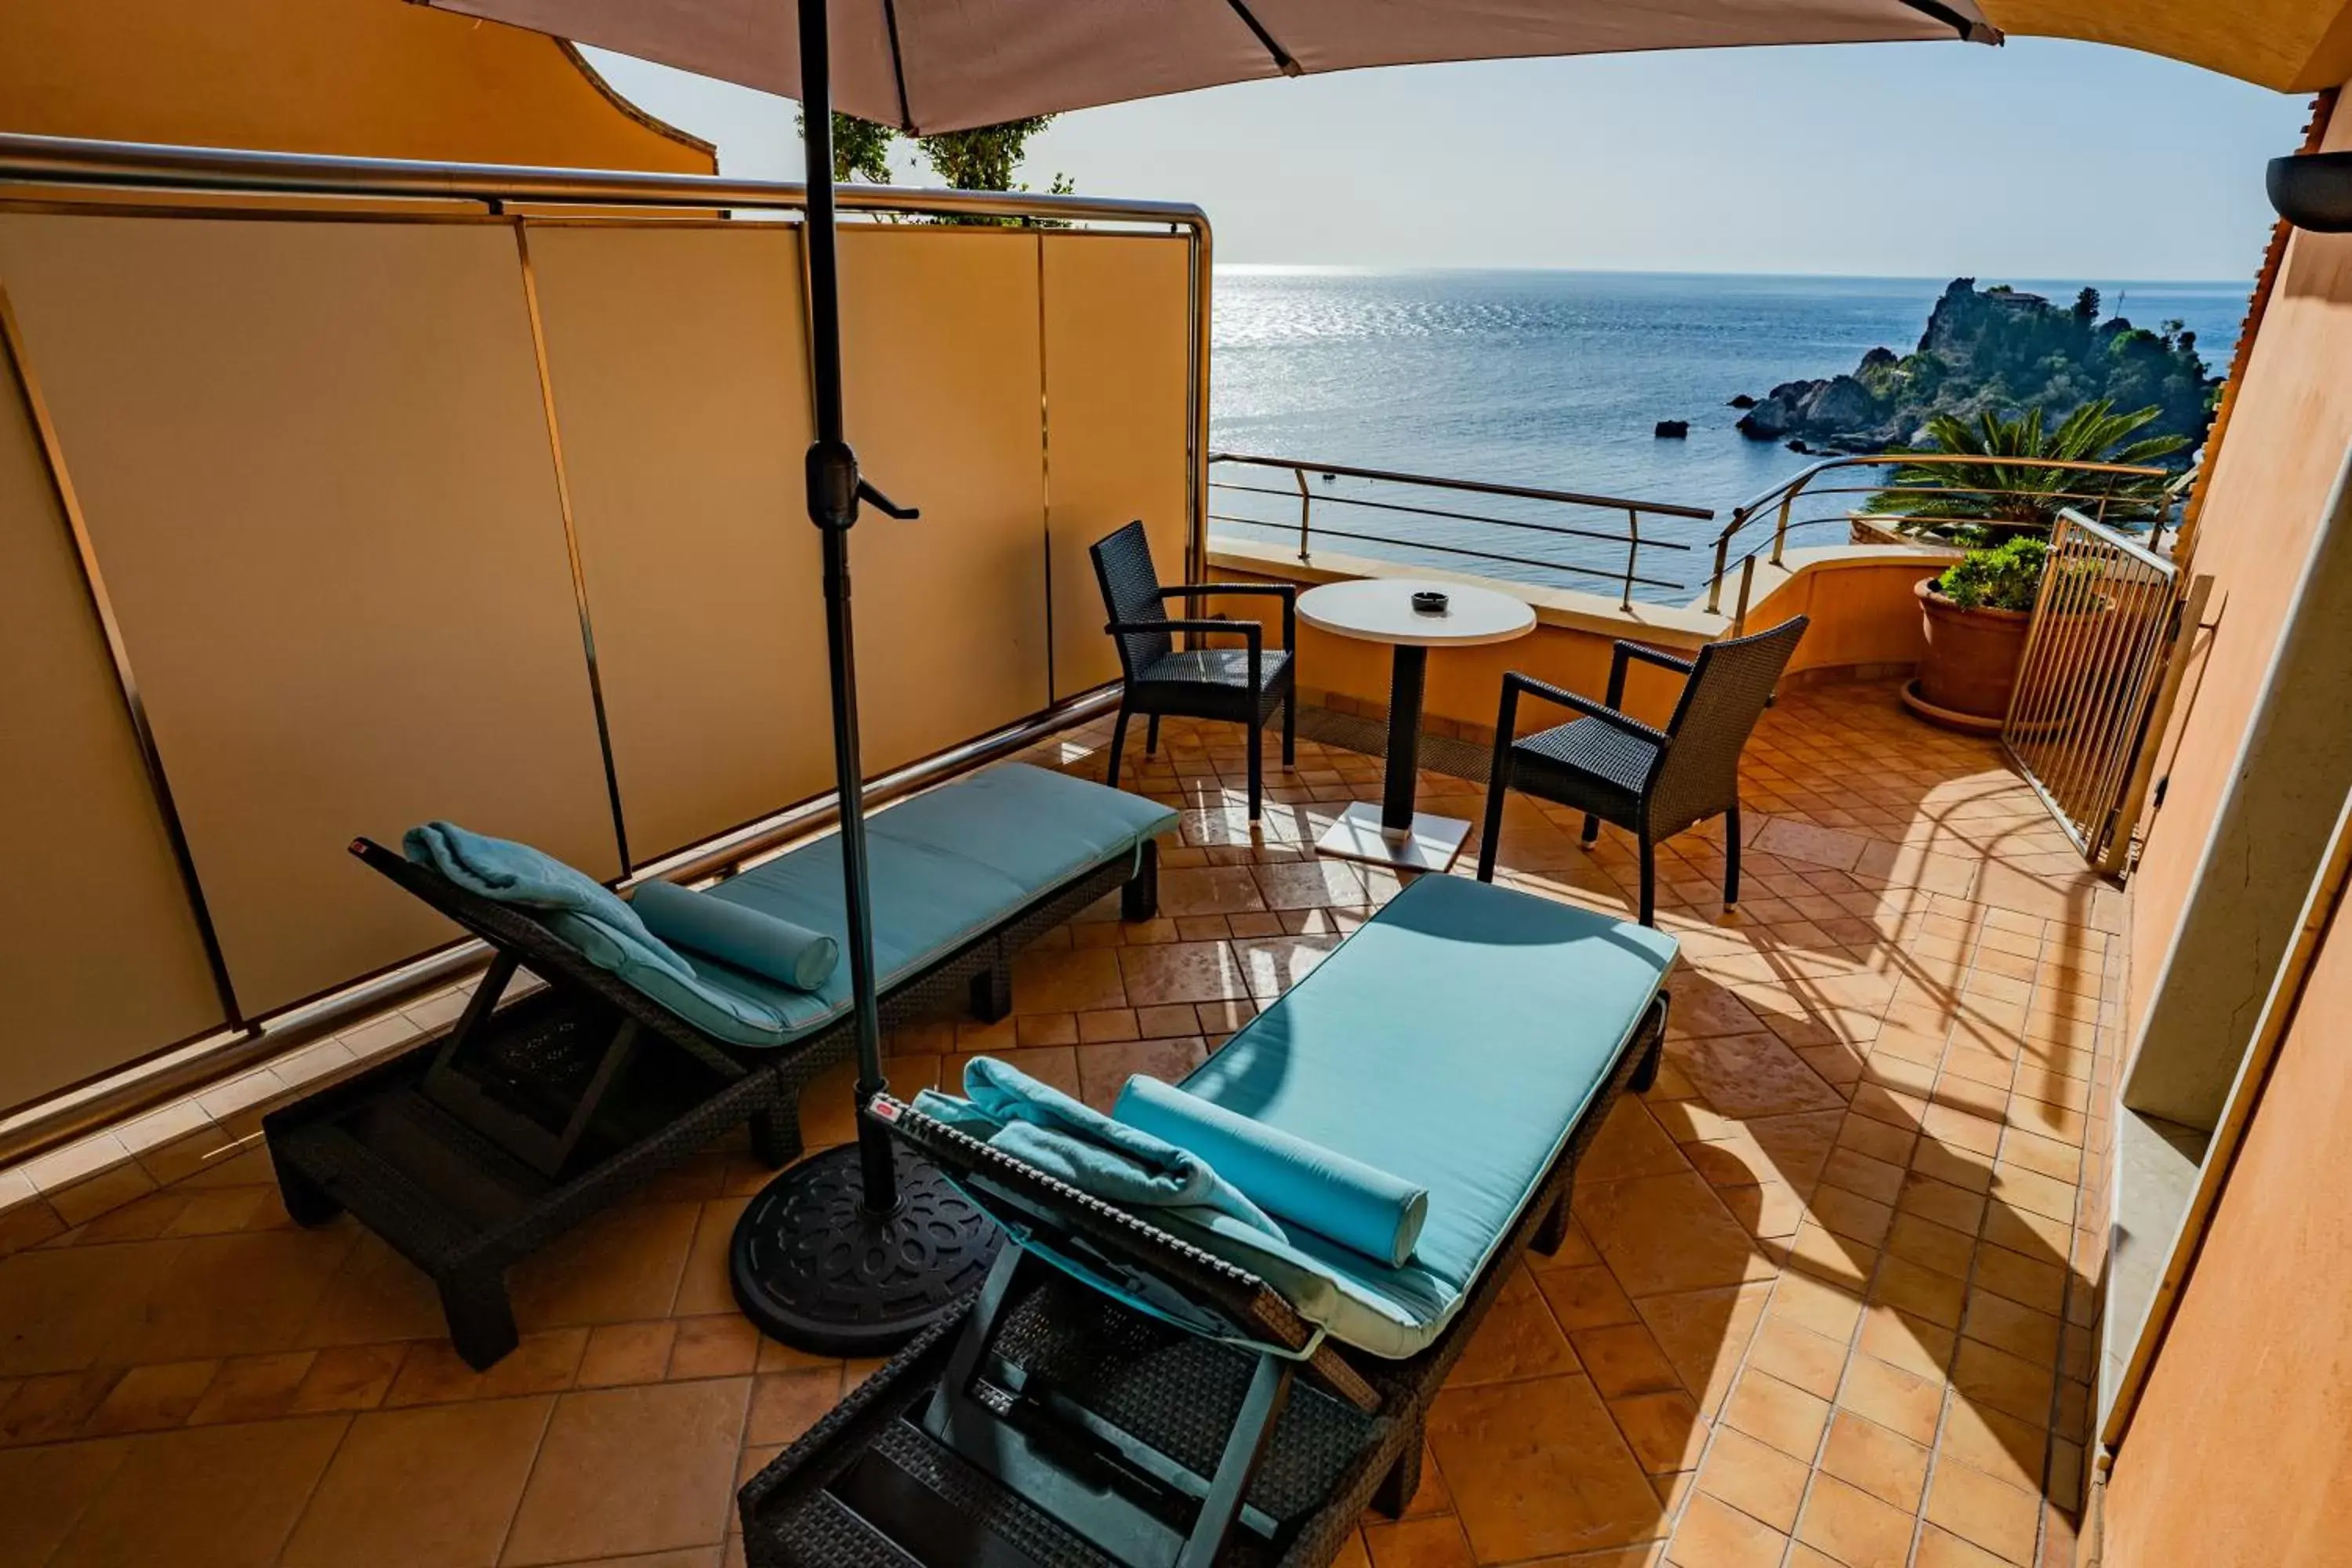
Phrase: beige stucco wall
{"type": "Point", "coordinates": [375, 78]}
{"type": "Point", "coordinates": [2235, 1457]}
{"type": "Point", "coordinates": [2272, 478]}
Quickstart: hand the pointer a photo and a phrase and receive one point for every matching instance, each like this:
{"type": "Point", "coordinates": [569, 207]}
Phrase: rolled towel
{"type": "Point", "coordinates": [786, 954]}
{"type": "Point", "coordinates": [1363, 1209]}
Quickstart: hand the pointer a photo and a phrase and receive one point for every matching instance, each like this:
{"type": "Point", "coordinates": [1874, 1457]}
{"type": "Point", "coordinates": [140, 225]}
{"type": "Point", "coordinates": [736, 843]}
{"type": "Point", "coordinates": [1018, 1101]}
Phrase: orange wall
{"type": "Point", "coordinates": [2271, 482]}
{"type": "Point", "coordinates": [373, 77]}
{"type": "Point", "coordinates": [2236, 1455]}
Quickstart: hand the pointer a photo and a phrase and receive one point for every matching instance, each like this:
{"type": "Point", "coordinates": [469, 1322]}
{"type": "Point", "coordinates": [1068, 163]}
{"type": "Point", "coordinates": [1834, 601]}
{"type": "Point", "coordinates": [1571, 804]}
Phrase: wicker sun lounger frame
{"type": "Point", "coordinates": [984, 1444]}
{"type": "Point", "coordinates": [450, 1153]}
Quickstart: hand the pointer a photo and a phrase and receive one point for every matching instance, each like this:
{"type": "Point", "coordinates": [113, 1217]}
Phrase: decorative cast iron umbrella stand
{"type": "Point", "coordinates": [853, 1251]}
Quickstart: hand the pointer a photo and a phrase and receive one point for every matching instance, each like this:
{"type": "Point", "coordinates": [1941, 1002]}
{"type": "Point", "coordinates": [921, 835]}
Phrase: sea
{"type": "Point", "coordinates": [1557, 381]}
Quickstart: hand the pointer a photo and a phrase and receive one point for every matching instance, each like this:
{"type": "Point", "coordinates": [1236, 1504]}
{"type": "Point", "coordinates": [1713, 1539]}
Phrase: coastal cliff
{"type": "Point", "coordinates": [1996, 350]}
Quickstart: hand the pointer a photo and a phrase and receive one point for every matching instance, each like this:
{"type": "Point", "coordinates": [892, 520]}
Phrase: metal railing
{"type": "Point", "coordinates": [1442, 517]}
{"type": "Point", "coordinates": [1803, 500]}
{"type": "Point", "coordinates": [2101, 665]}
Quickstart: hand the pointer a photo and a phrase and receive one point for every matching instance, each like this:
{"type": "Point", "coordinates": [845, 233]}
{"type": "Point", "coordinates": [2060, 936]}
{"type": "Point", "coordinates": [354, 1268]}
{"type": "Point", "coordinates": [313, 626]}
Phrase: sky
{"type": "Point", "coordinates": [2040, 159]}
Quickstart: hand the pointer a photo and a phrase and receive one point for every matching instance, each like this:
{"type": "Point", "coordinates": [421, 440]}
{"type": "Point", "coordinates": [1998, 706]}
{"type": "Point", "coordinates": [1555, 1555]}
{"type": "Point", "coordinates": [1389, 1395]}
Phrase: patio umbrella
{"type": "Point", "coordinates": [852, 1254]}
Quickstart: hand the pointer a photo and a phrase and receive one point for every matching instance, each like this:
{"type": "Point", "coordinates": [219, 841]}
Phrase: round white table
{"type": "Point", "coordinates": [1380, 609]}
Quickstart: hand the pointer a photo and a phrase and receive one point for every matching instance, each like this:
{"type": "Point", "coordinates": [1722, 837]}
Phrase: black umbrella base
{"type": "Point", "coordinates": [814, 1269]}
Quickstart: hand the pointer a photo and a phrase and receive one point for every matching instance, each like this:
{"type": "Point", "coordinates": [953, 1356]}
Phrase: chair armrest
{"type": "Point", "coordinates": [1250, 631]}
{"type": "Point", "coordinates": [1625, 651]}
{"type": "Point", "coordinates": [1287, 592]}
{"type": "Point", "coordinates": [1513, 683]}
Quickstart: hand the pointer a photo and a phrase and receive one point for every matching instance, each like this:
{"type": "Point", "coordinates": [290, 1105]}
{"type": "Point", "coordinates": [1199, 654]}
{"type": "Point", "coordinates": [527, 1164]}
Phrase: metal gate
{"type": "Point", "coordinates": [2101, 665]}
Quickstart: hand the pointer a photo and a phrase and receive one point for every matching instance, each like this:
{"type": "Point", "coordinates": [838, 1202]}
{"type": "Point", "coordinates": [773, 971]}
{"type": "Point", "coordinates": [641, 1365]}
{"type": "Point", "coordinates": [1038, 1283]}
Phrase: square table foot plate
{"type": "Point", "coordinates": [1430, 845]}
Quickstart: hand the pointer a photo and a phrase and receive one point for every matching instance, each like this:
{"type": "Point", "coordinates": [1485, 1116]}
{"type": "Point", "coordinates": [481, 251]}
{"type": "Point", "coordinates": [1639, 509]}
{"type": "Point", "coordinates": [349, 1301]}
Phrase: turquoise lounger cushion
{"type": "Point", "coordinates": [760, 943]}
{"type": "Point", "coordinates": [1305, 1183]}
{"type": "Point", "coordinates": [1455, 1041]}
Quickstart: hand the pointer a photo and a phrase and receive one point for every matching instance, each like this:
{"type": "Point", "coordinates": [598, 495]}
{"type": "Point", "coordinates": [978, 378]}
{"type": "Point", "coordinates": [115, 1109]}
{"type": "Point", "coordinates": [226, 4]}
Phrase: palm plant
{"type": "Point", "coordinates": [1987, 500]}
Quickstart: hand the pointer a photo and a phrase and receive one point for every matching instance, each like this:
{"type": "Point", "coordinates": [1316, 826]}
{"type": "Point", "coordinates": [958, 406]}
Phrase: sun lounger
{"type": "Point", "coordinates": [1135, 1386]}
{"type": "Point", "coordinates": [469, 1153]}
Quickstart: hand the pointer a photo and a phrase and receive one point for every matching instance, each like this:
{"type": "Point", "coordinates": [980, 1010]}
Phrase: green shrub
{"type": "Point", "coordinates": [2006, 578]}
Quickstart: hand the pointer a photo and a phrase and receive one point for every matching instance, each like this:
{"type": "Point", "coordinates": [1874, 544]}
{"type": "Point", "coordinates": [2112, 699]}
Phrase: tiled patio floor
{"type": "Point", "coordinates": [1826, 1301]}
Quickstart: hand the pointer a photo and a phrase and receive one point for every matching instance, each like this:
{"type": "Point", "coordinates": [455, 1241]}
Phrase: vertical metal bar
{"type": "Point", "coordinates": [159, 783]}
{"type": "Point", "coordinates": [2133, 798]}
{"type": "Point", "coordinates": [1722, 552]}
{"type": "Point", "coordinates": [1746, 585]}
{"type": "Point", "coordinates": [2073, 712]}
{"type": "Point", "coordinates": [1199, 275]}
{"type": "Point", "coordinates": [2157, 608]}
{"type": "Point", "coordinates": [1781, 532]}
{"type": "Point", "coordinates": [2109, 672]}
{"type": "Point", "coordinates": [571, 543]}
{"type": "Point", "coordinates": [1305, 501]}
{"type": "Point", "coordinates": [1045, 470]}
{"type": "Point", "coordinates": [2037, 632]}
{"type": "Point", "coordinates": [1633, 556]}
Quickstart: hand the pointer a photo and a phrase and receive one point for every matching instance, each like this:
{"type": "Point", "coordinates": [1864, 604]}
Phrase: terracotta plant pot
{"type": "Point", "coordinates": [1972, 655]}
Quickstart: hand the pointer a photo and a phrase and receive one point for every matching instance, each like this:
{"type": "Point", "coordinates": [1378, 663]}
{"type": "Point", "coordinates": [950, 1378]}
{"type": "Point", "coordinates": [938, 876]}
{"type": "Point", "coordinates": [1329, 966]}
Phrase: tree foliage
{"type": "Point", "coordinates": [860, 147]}
{"type": "Point", "coordinates": [1990, 497]}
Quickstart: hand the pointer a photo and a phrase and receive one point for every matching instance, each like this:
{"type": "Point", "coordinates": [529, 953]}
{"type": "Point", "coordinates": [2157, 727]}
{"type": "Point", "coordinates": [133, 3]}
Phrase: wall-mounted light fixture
{"type": "Point", "coordinates": [2313, 191]}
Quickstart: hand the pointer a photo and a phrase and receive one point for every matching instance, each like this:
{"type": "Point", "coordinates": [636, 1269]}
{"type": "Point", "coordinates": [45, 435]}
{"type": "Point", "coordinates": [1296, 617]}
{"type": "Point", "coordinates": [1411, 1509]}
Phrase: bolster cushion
{"type": "Point", "coordinates": [736, 933]}
{"type": "Point", "coordinates": [1363, 1209]}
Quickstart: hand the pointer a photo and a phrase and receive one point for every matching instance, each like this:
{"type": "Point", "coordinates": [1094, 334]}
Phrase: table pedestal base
{"type": "Point", "coordinates": [1430, 845]}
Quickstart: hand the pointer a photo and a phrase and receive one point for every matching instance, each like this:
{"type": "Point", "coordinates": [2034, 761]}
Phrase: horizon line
{"type": "Point", "coordinates": [1342, 268]}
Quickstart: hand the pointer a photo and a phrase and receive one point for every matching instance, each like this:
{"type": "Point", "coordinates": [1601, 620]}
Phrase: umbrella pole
{"type": "Point", "coordinates": [855, 1250]}
{"type": "Point", "coordinates": [832, 498]}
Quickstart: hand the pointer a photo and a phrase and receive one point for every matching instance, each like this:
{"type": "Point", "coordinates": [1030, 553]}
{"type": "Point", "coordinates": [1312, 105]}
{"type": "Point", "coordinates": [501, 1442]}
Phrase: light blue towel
{"type": "Point", "coordinates": [581, 909]}
{"type": "Point", "coordinates": [747, 938]}
{"type": "Point", "coordinates": [1305, 1183]}
{"type": "Point", "coordinates": [1040, 1126]}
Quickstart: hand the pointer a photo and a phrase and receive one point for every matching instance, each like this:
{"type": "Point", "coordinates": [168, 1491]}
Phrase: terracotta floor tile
{"type": "Point", "coordinates": [433, 1485]}
{"type": "Point", "coordinates": [1903, 1402]}
{"type": "Point", "coordinates": [626, 1352]}
{"type": "Point", "coordinates": [724, 1344]}
{"type": "Point", "coordinates": [1182, 971]}
{"type": "Point", "coordinates": [1585, 1298]}
{"type": "Point", "coordinates": [632, 1469]}
{"type": "Point", "coordinates": [1519, 1339]}
{"type": "Point", "coordinates": [1703, 1334]}
{"type": "Point", "coordinates": [1630, 1143]}
{"type": "Point", "coordinates": [47, 1488]}
{"type": "Point", "coordinates": [1538, 1468]}
{"type": "Point", "coordinates": [2002, 1446]}
{"type": "Point", "coordinates": [1271, 965]}
{"type": "Point", "coordinates": [53, 1407]}
{"type": "Point", "coordinates": [786, 1404]}
{"type": "Point", "coordinates": [1663, 1430]}
{"type": "Point", "coordinates": [1662, 1233]}
{"type": "Point", "coordinates": [254, 1388]}
{"type": "Point", "coordinates": [376, 1294]}
{"type": "Point", "coordinates": [1777, 1412]}
{"type": "Point", "coordinates": [204, 1497]}
{"type": "Point", "coordinates": [62, 1310]}
{"type": "Point", "coordinates": [1067, 980]}
{"type": "Point", "coordinates": [1826, 1309]}
{"type": "Point", "coordinates": [1755, 1477]}
{"type": "Point", "coordinates": [1864, 1454]}
{"type": "Point", "coordinates": [1798, 1356]}
{"type": "Point", "coordinates": [1208, 890]}
{"type": "Point", "coordinates": [1418, 1543]}
{"type": "Point", "coordinates": [1714, 1534]}
{"type": "Point", "coordinates": [1998, 1381]}
{"type": "Point", "coordinates": [1941, 1549]}
{"type": "Point", "coordinates": [1853, 1527]}
{"type": "Point", "coordinates": [431, 1372]}
{"type": "Point", "coordinates": [1104, 1069]}
{"type": "Point", "coordinates": [2027, 1281]}
{"type": "Point", "coordinates": [620, 1267]}
{"type": "Point", "coordinates": [348, 1377]}
{"type": "Point", "coordinates": [2004, 1520]}
{"type": "Point", "coordinates": [2005, 1325]}
{"type": "Point", "coordinates": [1752, 1075]}
{"type": "Point", "coordinates": [1916, 1345]}
{"type": "Point", "coordinates": [150, 1398]}
{"type": "Point", "coordinates": [1624, 1359]}
{"type": "Point", "coordinates": [1928, 1245]}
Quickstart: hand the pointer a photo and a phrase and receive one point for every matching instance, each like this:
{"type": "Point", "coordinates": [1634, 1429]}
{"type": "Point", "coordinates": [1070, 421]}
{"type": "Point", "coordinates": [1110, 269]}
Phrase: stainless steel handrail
{"type": "Point", "coordinates": [1782, 497]}
{"type": "Point", "coordinates": [1630, 534]}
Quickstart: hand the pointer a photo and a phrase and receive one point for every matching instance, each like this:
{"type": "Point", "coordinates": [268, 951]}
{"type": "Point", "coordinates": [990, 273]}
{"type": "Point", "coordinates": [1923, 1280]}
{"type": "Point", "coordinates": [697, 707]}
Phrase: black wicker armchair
{"type": "Point", "coordinates": [1652, 783]}
{"type": "Point", "coordinates": [1242, 686]}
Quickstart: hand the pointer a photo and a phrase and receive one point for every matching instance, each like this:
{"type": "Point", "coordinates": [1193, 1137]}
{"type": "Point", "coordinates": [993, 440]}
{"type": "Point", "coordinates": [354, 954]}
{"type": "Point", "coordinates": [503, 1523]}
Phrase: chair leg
{"type": "Point", "coordinates": [776, 1136]}
{"type": "Point", "coordinates": [1256, 766]}
{"type": "Point", "coordinates": [1118, 743]}
{"type": "Point", "coordinates": [1490, 835]}
{"type": "Point", "coordinates": [992, 991]}
{"type": "Point", "coordinates": [1731, 858]}
{"type": "Point", "coordinates": [1139, 899]}
{"type": "Point", "coordinates": [1151, 735]}
{"type": "Point", "coordinates": [305, 1200]}
{"type": "Point", "coordinates": [1290, 729]}
{"type": "Point", "coordinates": [1591, 830]}
{"type": "Point", "coordinates": [1550, 1235]}
{"type": "Point", "coordinates": [1394, 1495]}
{"type": "Point", "coordinates": [481, 1322]}
{"type": "Point", "coordinates": [1649, 882]}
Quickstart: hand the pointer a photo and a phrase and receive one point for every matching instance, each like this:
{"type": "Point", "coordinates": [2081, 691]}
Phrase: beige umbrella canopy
{"type": "Point", "coordinates": [926, 65]}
